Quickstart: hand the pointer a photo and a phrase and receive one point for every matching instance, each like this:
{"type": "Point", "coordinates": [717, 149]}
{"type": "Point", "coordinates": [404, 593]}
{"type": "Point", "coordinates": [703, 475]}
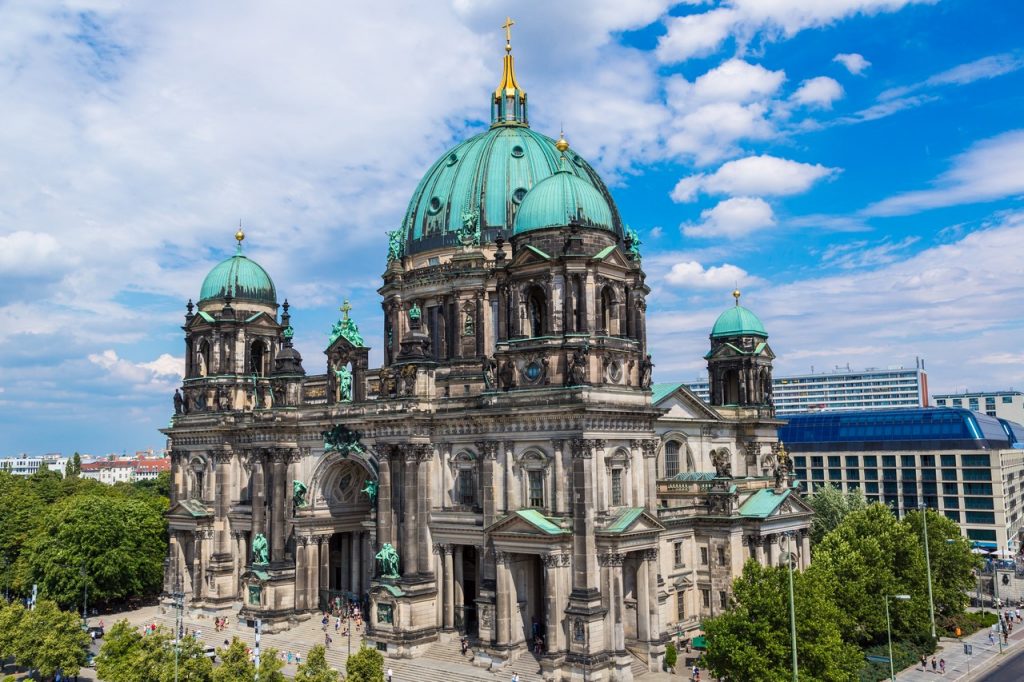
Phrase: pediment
{"type": "Point", "coordinates": [342, 346]}
{"type": "Point", "coordinates": [189, 509]}
{"type": "Point", "coordinates": [261, 319]}
{"type": "Point", "coordinates": [632, 521]}
{"type": "Point", "coordinates": [529, 255]}
{"type": "Point", "coordinates": [682, 403]}
{"type": "Point", "coordinates": [614, 256]}
{"type": "Point", "coordinates": [529, 522]}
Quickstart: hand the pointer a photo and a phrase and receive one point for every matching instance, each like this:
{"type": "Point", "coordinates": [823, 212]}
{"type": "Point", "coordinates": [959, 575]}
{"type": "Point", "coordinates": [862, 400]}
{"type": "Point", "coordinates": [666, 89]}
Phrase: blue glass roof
{"type": "Point", "coordinates": [900, 429]}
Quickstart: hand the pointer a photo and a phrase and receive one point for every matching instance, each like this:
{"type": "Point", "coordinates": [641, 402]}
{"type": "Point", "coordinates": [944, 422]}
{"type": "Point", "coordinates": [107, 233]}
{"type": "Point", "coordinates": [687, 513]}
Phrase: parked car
{"type": "Point", "coordinates": [211, 653]}
{"type": "Point", "coordinates": [95, 631]}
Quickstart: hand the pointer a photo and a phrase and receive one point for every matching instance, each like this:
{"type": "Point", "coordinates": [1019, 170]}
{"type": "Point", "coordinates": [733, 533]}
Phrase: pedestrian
{"type": "Point", "coordinates": [226, 644]}
{"type": "Point", "coordinates": [515, 677]}
{"type": "Point", "coordinates": [990, 639]}
{"type": "Point", "coordinates": [924, 662]}
{"type": "Point", "coordinates": [290, 657]}
{"type": "Point", "coordinates": [464, 645]}
{"type": "Point", "coordinates": [389, 674]}
{"type": "Point", "coordinates": [337, 623]}
{"type": "Point", "coordinates": [327, 640]}
{"type": "Point", "coordinates": [942, 666]}
{"type": "Point", "coordinates": [935, 664]}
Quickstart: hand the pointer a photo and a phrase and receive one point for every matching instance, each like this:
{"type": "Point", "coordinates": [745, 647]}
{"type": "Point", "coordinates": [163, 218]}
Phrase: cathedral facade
{"type": "Point", "coordinates": [510, 472]}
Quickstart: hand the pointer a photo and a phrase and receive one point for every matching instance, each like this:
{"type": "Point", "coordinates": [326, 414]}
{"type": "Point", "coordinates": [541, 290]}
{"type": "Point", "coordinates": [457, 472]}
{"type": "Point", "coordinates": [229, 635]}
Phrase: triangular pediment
{"type": "Point", "coordinates": [530, 255]}
{"type": "Point", "coordinates": [261, 319]}
{"type": "Point", "coordinates": [343, 346]}
{"type": "Point", "coordinates": [682, 403]}
{"type": "Point", "coordinates": [614, 256]}
{"type": "Point", "coordinates": [632, 521]}
{"type": "Point", "coordinates": [189, 509]}
{"type": "Point", "coordinates": [529, 522]}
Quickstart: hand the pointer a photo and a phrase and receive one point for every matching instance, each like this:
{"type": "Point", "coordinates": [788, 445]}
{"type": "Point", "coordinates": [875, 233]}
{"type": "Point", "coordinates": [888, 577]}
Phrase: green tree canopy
{"type": "Point", "coordinates": [120, 542]}
{"type": "Point", "coordinates": [235, 664]}
{"type": "Point", "coordinates": [271, 666]}
{"type": "Point", "coordinates": [122, 657]}
{"type": "Point", "coordinates": [830, 507]}
{"type": "Point", "coordinates": [315, 667]}
{"type": "Point", "coordinates": [752, 640]}
{"type": "Point", "coordinates": [952, 564]}
{"type": "Point", "coordinates": [10, 620]}
{"type": "Point", "coordinates": [50, 640]}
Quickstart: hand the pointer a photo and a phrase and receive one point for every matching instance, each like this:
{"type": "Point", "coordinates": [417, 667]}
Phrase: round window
{"type": "Point", "coordinates": [518, 152]}
{"type": "Point", "coordinates": [615, 372]}
{"type": "Point", "coordinates": [533, 371]}
{"type": "Point", "coordinates": [518, 194]}
{"type": "Point", "coordinates": [578, 160]}
{"type": "Point", "coordinates": [452, 159]}
{"type": "Point", "coordinates": [435, 205]}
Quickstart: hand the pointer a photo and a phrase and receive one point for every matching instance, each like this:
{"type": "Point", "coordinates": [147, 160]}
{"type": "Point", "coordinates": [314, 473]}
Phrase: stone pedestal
{"type": "Point", "coordinates": [403, 615]}
{"type": "Point", "coordinates": [268, 593]}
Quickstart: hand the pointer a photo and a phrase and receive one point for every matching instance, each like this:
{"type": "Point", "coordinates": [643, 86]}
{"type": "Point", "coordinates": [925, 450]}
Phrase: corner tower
{"type": "Point", "coordinates": [740, 360]}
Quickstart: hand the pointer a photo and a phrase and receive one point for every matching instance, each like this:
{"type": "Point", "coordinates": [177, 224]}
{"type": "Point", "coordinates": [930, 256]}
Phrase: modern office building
{"type": "Point", "coordinates": [967, 465]}
{"type": "Point", "coordinates": [26, 466]}
{"type": "Point", "coordinates": [1001, 404]}
{"type": "Point", "coordinates": [870, 389]}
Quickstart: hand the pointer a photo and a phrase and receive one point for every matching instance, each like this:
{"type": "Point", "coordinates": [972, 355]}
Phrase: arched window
{"type": "Point", "coordinates": [203, 358]}
{"type": "Point", "coordinates": [671, 458]}
{"type": "Point", "coordinates": [607, 310]}
{"type": "Point", "coordinates": [536, 312]}
{"type": "Point", "coordinates": [257, 358]}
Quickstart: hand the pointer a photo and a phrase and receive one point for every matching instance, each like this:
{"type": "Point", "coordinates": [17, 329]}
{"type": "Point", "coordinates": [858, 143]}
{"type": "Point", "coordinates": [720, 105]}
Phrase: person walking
{"type": "Point", "coordinates": [515, 677]}
{"type": "Point", "coordinates": [327, 640]}
{"type": "Point", "coordinates": [389, 674]}
{"type": "Point", "coordinates": [942, 666]}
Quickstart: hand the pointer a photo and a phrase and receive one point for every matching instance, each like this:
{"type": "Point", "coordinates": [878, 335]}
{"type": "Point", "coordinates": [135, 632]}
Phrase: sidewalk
{"type": "Point", "coordinates": [959, 666]}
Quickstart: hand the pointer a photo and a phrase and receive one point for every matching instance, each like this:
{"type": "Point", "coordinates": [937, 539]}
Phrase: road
{"type": "Point", "coordinates": [1012, 670]}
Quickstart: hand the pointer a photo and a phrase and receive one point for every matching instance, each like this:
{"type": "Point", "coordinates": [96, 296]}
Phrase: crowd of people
{"type": "Point", "coordinates": [347, 619]}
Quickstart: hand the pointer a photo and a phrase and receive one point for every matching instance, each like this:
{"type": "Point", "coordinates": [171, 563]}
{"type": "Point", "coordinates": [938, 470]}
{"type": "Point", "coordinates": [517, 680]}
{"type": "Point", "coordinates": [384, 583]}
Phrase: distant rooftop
{"type": "Point", "coordinates": [976, 394]}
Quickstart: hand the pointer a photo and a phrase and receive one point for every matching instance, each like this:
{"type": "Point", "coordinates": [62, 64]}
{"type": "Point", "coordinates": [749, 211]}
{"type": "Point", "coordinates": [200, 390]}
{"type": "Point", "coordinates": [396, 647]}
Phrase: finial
{"type": "Point", "coordinates": [562, 144]}
{"type": "Point", "coordinates": [736, 295]}
{"type": "Point", "coordinates": [239, 236]}
{"type": "Point", "coordinates": [345, 308]}
{"type": "Point", "coordinates": [508, 33]}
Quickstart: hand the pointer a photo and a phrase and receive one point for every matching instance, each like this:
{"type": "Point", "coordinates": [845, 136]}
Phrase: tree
{"type": "Point", "coordinates": [20, 512]}
{"type": "Point", "coordinates": [235, 664]}
{"type": "Point", "coordinates": [120, 542]}
{"type": "Point", "coordinates": [10, 620]}
{"type": "Point", "coordinates": [315, 668]}
{"type": "Point", "coordinates": [830, 507]}
{"type": "Point", "coordinates": [871, 554]}
{"type": "Point", "coordinates": [952, 563]}
{"type": "Point", "coordinates": [366, 665]}
{"type": "Point", "coordinates": [121, 657]}
{"type": "Point", "coordinates": [74, 466]}
{"type": "Point", "coordinates": [50, 640]}
{"type": "Point", "coordinates": [752, 641]}
{"type": "Point", "coordinates": [271, 666]}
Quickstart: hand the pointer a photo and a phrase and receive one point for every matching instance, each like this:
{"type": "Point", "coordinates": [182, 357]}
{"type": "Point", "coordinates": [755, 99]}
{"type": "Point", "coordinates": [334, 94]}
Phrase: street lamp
{"type": "Point", "coordinates": [888, 629]}
{"type": "Point", "coordinates": [928, 567]}
{"type": "Point", "coordinates": [790, 557]}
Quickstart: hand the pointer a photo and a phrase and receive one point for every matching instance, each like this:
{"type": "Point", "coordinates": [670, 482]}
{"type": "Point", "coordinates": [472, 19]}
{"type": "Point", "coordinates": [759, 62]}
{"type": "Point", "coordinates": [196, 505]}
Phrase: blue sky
{"type": "Point", "coordinates": [856, 166]}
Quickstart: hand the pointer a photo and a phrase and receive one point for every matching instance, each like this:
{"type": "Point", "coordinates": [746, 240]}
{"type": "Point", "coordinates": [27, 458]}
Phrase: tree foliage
{"type": "Point", "coordinates": [316, 669]}
{"type": "Point", "coordinates": [271, 666]}
{"type": "Point", "coordinates": [128, 656]}
{"type": "Point", "coordinates": [752, 640]}
{"type": "Point", "coordinates": [952, 563]}
{"type": "Point", "coordinates": [45, 639]}
{"type": "Point", "coordinates": [366, 665]}
{"type": "Point", "coordinates": [830, 507]}
{"type": "Point", "coordinates": [234, 663]}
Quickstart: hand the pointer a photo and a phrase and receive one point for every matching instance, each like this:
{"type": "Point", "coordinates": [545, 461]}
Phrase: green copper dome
{"type": "Point", "coordinates": [240, 278]}
{"type": "Point", "coordinates": [563, 199]}
{"type": "Point", "coordinates": [738, 321]}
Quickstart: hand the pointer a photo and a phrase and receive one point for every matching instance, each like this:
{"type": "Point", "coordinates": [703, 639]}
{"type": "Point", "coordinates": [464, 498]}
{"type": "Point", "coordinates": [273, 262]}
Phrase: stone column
{"type": "Point", "coordinates": [600, 476]}
{"type": "Point", "coordinates": [805, 549]}
{"type": "Point", "coordinates": [644, 594]}
{"type": "Point", "coordinates": [584, 544]}
{"type": "Point", "coordinates": [313, 572]}
{"type": "Point", "coordinates": [637, 473]}
{"type": "Point", "coordinates": [197, 565]}
{"type": "Point", "coordinates": [759, 543]}
{"type": "Point", "coordinates": [613, 562]}
{"type": "Point", "coordinates": [259, 496]}
{"type": "Point", "coordinates": [356, 561]}
{"type": "Point", "coordinates": [510, 478]}
{"type": "Point", "coordinates": [325, 563]}
{"type": "Point", "coordinates": [447, 484]}
{"type": "Point", "coordinates": [385, 522]}
{"type": "Point", "coordinates": [408, 552]}
{"type": "Point", "coordinates": [301, 586]}
{"type": "Point", "coordinates": [449, 588]}
{"type": "Point", "coordinates": [559, 468]}
{"type": "Point", "coordinates": [554, 566]}
{"type": "Point", "coordinates": [503, 618]}
{"type": "Point", "coordinates": [773, 550]}
{"type": "Point", "coordinates": [366, 573]}
{"type": "Point", "coordinates": [459, 581]}
{"type": "Point", "coordinates": [650, 450]}
{"type": "Point", "coordinates": [654, 617]}
{"type": "Point", "coordinates": [222, 502]}
{"type": "Point", "coordinates": [425, 454]}
{"type": "Point", "coordinates": [280, 502]}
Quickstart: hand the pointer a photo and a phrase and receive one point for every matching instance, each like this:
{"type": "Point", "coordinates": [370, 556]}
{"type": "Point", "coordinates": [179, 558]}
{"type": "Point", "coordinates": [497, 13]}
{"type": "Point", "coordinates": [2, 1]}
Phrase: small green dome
{"type": "Point", "coordinates": [738, 321]}
{"type": "Point", "coordinates": [560, 200]}
{"type": "Point", "coordinates": [240, 278]}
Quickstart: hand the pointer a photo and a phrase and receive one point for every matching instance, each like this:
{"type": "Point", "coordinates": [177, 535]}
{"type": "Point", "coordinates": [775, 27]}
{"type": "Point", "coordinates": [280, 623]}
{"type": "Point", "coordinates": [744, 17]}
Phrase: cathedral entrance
{"type": "Point", "coordinates": [529, 582]}
{"type": "Point", "coordinates": [467, 589]}
{"type": "Point", "coordinates": [346, 565]}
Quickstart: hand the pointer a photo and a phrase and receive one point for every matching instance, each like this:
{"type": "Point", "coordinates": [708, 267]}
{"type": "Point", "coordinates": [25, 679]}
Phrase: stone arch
{"type": "Point", "coordinates": [686, 462]}
{"type": "Point", "coordinates": [609, 310]}
{"type": "Point", "coordinates": [198, 474]}
{"type": "Point", "coordinates": [536, 487]}
{"type": "Point", "coordinates": [258, 357]}
{"type": "Point", "coordinates": [536, 322]}
{"type": "Point", "coordinates": [327, 475]}
{"type": "Point", "coordinates": [465, 469]}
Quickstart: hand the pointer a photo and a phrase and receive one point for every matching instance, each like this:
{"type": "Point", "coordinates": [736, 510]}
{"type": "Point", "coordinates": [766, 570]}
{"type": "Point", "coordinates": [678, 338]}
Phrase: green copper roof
{"type": "Point", "coordinates": [540, 521]}
{"type": "Point", "coordinates": [738, 321]}
{"type": "Point", "coordinates": [625, 520]}
{"type": "Point", "coordinates": [661, 391]}
{"type": "Point", "coordinates": [563, 199]}
{"type": "Point", "coordinates": [762, 503]}
{"type": "Point", "coordinates": [485, 179]}
{"type": "Point", "coordinates": [240, 278]}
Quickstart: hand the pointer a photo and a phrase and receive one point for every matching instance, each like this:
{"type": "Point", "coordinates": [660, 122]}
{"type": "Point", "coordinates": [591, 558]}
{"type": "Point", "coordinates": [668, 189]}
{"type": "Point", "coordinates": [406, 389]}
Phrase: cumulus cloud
{"type": "Point", "coordinates": [694, 275]}
{"type": "Point", "coordinates": [160, 374]}
{"type": "Point", "coordinates": [702, 33]}
{"type": "Point", "coordinates": [818, 92]}
{"type": "Point", "coordinates": [854, 63]}
{"type": "Point", "coordinates": [991, 169]}
{"type": "Point", "coordinates": [762, 175]}
{"type": "Point", "coordinates": [732, 218]}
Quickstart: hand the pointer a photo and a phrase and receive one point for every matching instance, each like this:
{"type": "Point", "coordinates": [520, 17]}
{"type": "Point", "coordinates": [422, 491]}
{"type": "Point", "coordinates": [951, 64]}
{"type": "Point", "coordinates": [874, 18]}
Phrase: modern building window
{"type": "Point", "coordinates": [929, 488]}
{"type": "Point", "coordinates": [951, 502]}
{"type": "Point", "coordinates": [818, 474]}
{"type": "Point", "coordinates": [800, 461]}
{"type": "Point", "coordinates": [890, 488]}
{"type": "Point", "coordinates": [941, 402]}
{"type": "Point", "coordinates": [671, 458]}
{"type": "Point", "coordinates": [980, 517]}
{"type": "Point", "coordinates": [852, 475]}
{"type": "Point", "coordinates": [616, 487]}
{"type": "Point", "coordinates": [952, 514]}
{"type": "Point", "coordinates": [817, 461]}
{"type": "Point", "coordinates": [950, 489]}
{"type": "Point", "coordinates": [871, 488]}
{"type": "Point", "coordinates": [949, 474]}
{"type": "Point", "coordinates": [835, 474]}
{"type": "Point", "coordinates": [975, 460]}
{"type": "Point", "coordinates": [907, 461]}
{"type": "Point", "coordinates": [910, 502]}
{"type": "Point", "coordinates": [833, 460]}
{"type": "Point", "coordinates": [948, 460]}
{"type": "Point", "coordinates": [703, 556]}
{"type": "Point", "coordinates": [536, 480]}
{"type": "Point", "coordinates": [930, 501]}
{"type": "Point", "coordinates": [870, 461]}
{"type": "Point", "coordinates": [721, 556]}
{"type": "Point", "coordinates": [677, 554]}
{"type": "Point", "coordinates": [976, 475]}
{"type": "Point", "coordinates": [888, 460]}
{"type": "Point", "coordinates": [851, 460]}
{"type": "Point", "coordinates": [978, 503]}
{"type": "Point", "coordinates": [871, 474]}
{"type": "Point", "coordinates": [927, 460]}
{"type": "Point", "coordinates": [979, 489]}
{"type": "Point", "coordinates": [888, 474]}
{"type": "Point", "coordinates": [705, 596]}
{"type": "Point", "coordinates": [909, 488]}
{"type": "Point", "coordinates": [909, 474]}
{"type": "Point", "coordinates": [983, 534]}
{"type": "Point", "coordinates": [1007, 400]}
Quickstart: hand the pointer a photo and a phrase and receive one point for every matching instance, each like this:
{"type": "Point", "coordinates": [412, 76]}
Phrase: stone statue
{"type": "Point", "coordinates": [396, 249]}
{"type": "Point", "coordinates": [782, 468]}
{"type": "Point", "coordinates": [344, 384]}
{"type": "Point", "coordinates": [490, 374]}
{"type": "Point", "coordinates": [646, 367]}
{"type": "Point", "coordinates": [723, 467]}
{"type": "Point", "coordinates": [633, 242]}
{"type": "Point", "coordinates": [343, 440]}
{"type": "Point", "coordinates": [371, 490]}
{"type": "Point", "coordinates": [469, 233]}
{"type": "Point", "coordinates": [388, 559]}
{"type": "Point", "coordinates": [299, 493]}
{"type": "Point", "coordinates": [415, 313]}
{"type": "Point", "coordinates": [408, 375]}
{"type": "Point", "coordinates": [179, 402]}
{"type": "Point", "coordinates": [576, 368]}
{"type": "Point", "coordinates": [259, 550]}
{"type": "Point", "coordinates": [507, 375]}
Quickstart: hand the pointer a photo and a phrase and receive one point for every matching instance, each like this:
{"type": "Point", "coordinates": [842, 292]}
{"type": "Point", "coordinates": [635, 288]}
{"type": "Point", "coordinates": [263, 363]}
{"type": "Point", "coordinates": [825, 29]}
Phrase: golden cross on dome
{"type": "Point", "coordinates": [508, 33]}
{"type": "Point", "coordinates": [345, 308]}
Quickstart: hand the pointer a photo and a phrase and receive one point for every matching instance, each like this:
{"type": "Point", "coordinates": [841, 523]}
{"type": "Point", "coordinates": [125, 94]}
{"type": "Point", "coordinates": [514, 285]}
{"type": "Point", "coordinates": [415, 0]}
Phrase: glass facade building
{"type": "Point", "coordinates": [966, 465]}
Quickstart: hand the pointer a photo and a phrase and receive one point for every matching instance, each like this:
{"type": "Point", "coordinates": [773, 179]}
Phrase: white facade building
{"type": "Point", "coordinates": [26, 466]}
{"type": "Point", "coordinates": [1001, 404]}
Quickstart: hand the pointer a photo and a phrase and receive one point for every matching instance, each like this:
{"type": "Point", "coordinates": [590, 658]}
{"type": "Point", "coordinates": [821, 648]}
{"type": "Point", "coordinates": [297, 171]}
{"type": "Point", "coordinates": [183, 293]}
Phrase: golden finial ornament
{"type": "Point", "coordinates": [508, 33]}
{"type": "Point", "coordinates": [562, 144]}
{"type": "Point", "coordinates": [239, 236]}
{"type": "Point", "coordinates": [736, 295]}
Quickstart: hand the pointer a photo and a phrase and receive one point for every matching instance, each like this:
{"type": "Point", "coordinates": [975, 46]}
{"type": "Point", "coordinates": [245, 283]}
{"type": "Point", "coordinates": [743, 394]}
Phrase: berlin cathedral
{"type": "Point", "coordinates": [510, 474]}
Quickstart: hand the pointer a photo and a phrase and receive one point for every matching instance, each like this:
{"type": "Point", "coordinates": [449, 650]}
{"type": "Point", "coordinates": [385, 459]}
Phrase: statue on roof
{"type": "Point", "coordinates": [259, 550]}
{"type": "Point", "coordinates": [633, 242]}
{"type": "Point", "coordinates": [387, 557]}
{"type": "Point", "coordinates": [344, 384]}
{"type": "Point", "coordinates": [346, 327]}
{"type": "Point", "coordinates": [469, 233]}
{"type": "Point", "coordinates": [371, 490]}
{"type": "Point", "coordinates": [179, 402]}
{"type": "Point", "coordinates": [396, 246]}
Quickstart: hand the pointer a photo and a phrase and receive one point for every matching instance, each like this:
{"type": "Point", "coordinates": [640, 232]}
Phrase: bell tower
{"type": "Point", "coordinates": [740, 360]}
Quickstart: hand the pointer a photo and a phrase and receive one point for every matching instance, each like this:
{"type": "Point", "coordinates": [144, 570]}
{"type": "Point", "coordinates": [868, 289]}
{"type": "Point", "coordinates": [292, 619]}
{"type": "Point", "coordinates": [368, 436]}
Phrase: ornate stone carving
{"type": "Point", "coordinates": [502, 558]}
{"type": "Point", "coordinates": [611, 559]}
{"type": "Point", "coordinates": [650, 554]}
{"type": "Point", "coordinates": [582, 448]}
{"type": "Point", "coordinates": [650, 447]}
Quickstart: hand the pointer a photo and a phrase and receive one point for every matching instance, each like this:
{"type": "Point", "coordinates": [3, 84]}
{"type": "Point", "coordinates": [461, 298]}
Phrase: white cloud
{"type": "Point", "coordinates": [25, 253]}
{"type": "Point", "coordinates": [854, 63]}
{"type": "Point", "coordinates": [694, 275]}
{"type": "Point", "coordinates": [989, 170]}
{"type": "Point", "coordinates": [862, 254]}
{"type": "Point", "coordinates": [818, 92]}
{"type": "Point", "coordinates": [161, 374]}
{"type": "Point", "coordinates": [762, 175]}
{"type": "Point", "coordinates": [737, 81]}
{"type": "Point", "coordinates": [703, 33]}
{"type": "Point", "coordinates": [963, 74]}
{"type": "Point", "coordinates": [732, 218]}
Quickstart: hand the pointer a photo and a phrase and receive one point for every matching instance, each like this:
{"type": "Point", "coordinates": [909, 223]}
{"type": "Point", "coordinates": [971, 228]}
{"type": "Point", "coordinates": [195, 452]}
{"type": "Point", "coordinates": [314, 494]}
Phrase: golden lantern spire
{"type": "Point", "coordinates": [736, 295]}
{"type": "Point", "coordinates": [239, 236]}
{"type": "Point", "coordinates": [508, 33]}
{"type": "Point", "coordinates": [508, 104]}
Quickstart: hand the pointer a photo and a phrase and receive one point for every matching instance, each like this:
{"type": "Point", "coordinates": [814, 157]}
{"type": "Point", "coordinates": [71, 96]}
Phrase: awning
{"type": "Point", "coordinates": [984, 544]}
{"type": "Point", "coordinates": [699, 642]}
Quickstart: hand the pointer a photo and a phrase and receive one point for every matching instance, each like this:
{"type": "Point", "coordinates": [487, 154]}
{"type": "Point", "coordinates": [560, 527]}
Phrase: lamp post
{"type": "Point", "coordinates": [85, 594]}
{"type": "Point", "coordinates": [790, 557]}
{"type": "Point", "coordinates": [888, 629]}
{"type": "Point", "coordinates": [178, 596]}
{"type": "Point", "coordinates": [928, 567]}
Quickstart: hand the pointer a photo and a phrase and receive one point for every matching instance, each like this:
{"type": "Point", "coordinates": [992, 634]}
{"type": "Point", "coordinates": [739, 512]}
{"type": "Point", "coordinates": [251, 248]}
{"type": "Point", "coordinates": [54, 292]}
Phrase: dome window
{"type": "Point", "coordinates": [578, 160]}
{"type": "Point", "coordinates": [453, 158]}
{"type": "Point", "coordinates": [517, 195]}
{"type": "Point", "coordinates": [518, 152]}
{"type": "Point", "coordinates": [435, 205]}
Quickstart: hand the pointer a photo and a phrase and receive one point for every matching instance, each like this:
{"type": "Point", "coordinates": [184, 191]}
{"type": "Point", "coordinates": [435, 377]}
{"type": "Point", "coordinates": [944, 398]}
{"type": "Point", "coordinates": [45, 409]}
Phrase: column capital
{"type": "Point", "coordinates": [611, 558]}
{"type": "Point", "coordinates": [557, 444]}
{"type": "Point", "coordinates": [221, 457]}
{"type": "Point", "coordinates": [502, 558]}
{"type": "Point", "coordinates": [650, 447]}
{"type": "Point", "coordinates": [441, 548]}
{"type": "Point", "coordinates": [488, 449]}
{"type": "Point", "coordinates": [424, 452]}
{"type": "Point", "coordinates": [582, 448]}
{"type": "Point", "coordinates": [599, 443]}
{"type": "Point", "coordinates": [556, 559]}
{"type": "Point", "coordinates": [650, 554]}
{"type": "Point", "coordinates": [635, 443]}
